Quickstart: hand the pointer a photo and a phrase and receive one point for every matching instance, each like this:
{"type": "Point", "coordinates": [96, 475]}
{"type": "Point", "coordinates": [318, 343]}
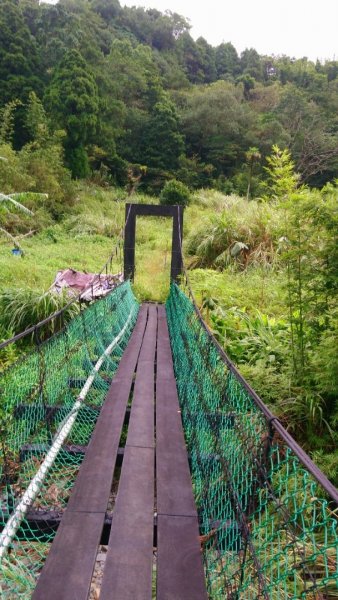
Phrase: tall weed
{"type": "Point", "coordinates": [242, 234]}
{"type": "Point", "coordinates": [22, 308]}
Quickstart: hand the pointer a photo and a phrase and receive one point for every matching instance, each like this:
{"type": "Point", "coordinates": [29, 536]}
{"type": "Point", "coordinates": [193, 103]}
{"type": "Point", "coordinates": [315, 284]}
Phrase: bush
{"type": "Point", "coordinates": [175, 192]}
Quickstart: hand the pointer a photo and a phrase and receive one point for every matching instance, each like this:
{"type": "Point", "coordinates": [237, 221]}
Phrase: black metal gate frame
{"type": "Point", "coordinates": [151, 210]}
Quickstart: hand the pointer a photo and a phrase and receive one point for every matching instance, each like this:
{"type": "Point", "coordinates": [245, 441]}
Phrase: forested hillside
{"type": "Point", "coordinates": [128, 92]}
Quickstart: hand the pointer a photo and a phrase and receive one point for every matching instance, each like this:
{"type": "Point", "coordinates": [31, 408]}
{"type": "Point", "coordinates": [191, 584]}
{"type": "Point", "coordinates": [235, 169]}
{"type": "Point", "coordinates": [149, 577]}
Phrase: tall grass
{"type": "Point", "coordinates": [22, 308]}
{"type": "Point", "coordinates": [242, 233]}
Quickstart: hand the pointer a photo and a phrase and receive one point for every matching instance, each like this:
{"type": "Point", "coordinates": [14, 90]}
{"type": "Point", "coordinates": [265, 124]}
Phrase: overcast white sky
{"type": "Point", "coordinates": [293, 27]}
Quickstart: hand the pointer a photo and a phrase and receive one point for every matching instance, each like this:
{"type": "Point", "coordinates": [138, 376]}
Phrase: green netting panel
{"type": "Point", "coordinates": [39, 398]}
{"type": "Point", "coordinates": [268, 531]}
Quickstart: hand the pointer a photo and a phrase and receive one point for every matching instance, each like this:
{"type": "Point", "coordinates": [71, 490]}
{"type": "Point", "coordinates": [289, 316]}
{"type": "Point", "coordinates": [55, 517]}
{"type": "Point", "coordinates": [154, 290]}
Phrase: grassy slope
{"type": "Point", "coordinates": [85, 239]}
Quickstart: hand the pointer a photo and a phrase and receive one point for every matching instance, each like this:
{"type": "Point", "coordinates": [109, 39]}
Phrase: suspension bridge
{"type": "Point", "coordinates": [137, 463]}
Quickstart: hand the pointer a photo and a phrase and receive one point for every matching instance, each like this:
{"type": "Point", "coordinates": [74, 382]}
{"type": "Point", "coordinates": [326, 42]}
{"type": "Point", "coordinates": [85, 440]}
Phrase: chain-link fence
{"type": "Point", "coordinates": [49, 404]}
{"type": "Point", "coordinates": [268, 526]}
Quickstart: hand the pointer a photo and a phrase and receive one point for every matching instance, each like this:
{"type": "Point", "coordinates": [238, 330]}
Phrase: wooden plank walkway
{"type": "Point", "coordinates": [145, 378]}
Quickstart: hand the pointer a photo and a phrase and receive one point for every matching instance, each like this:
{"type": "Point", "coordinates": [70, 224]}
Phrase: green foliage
{"type": "Point", "coordinates": [323, 361]}
{"type": "Point", "coordinates": [241, 234]}
{"type": "Point", "coordinates": [175, 192]}
{"type": "Point", "coordinates": [227, 61]}
{"type": "Point", "coordinates": [12, 177]}
{"type": "Point", "coordinates": [72, 99]}
{"type": "Point", "coordinates": [251, 64]}
{"type": "Point", "coordinates": [252, 338]}
{"type": "Point", "coordinates": [282, 178]}
{"type": "Point", "coordinates": [133, 83]}
{"type": "Point", "coordinates": [22, 308]}
{"type": "Point", "coordinates": [310, 255]}
{"type": "Point", "coordinates": [163, 144]}
{"type": "Point", "coordinates": [38, 168]}
{"type": "Point", "coordinates": [9, 354]}
{"type": "Point", "coordinates": [252, 156]}
{"type": "Point", "coordinates": [36, 120]}
{"type": "Point", "coordinates": [8, 121]}
{"type": "Point", "coordinates": [215, 122]}
{"type": "Point", "coordinates": [19, 62]}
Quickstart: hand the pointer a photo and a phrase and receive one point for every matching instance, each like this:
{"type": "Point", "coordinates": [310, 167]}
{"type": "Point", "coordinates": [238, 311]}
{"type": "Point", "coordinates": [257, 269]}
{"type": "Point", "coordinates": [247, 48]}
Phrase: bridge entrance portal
{"type": "Point", "coordinates": [151, 210]}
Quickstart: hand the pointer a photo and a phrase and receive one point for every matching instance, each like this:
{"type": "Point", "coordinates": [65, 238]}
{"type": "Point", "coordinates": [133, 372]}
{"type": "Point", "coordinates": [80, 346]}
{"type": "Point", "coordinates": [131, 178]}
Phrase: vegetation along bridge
{"type": "Point", "coordinates": [137, 463]}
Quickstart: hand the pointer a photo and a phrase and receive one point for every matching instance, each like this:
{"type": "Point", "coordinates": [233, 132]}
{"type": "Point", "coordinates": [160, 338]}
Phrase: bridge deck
{"type": "Point", "coordinates": [155, 479]}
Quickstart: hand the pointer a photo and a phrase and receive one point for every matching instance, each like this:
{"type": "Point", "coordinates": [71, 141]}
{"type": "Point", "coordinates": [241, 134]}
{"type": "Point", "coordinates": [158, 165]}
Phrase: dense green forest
{"type": "Point", "coordinates": [128, 92]}
{"type": "Point", "coordinates": [99, 103]}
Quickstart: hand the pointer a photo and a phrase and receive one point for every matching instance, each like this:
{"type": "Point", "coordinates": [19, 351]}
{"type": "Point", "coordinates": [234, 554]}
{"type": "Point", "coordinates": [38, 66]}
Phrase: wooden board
{"type": "Point", "coordinates": [165, 368]}
{"type": "Point", "coordinates": [173, 481]}
{"type": "Point", "coordinates": [68, 570]}
{"type": "Point", "coordinates": [128, 569]}
{"type": "Point", "coordinates": [141, 422]}
{"type": "Point", "coordinates": [179, 560]}
{"type": "Point", "coordinates": [180, 573]}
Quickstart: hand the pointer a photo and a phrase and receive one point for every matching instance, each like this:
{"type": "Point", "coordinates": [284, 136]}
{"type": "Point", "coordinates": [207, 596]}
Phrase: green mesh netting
{"type": "Point", "coordinates": [39, 401]}
{"type": "Point", "coordinates": [268, 531]}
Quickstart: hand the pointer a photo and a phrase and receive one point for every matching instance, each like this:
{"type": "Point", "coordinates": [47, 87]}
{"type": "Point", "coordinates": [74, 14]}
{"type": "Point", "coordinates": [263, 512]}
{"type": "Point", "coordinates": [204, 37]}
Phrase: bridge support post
{"type": "Point", "coordinates": [177, 240]}
{"type": "Point", "coordinates": [129, 242]}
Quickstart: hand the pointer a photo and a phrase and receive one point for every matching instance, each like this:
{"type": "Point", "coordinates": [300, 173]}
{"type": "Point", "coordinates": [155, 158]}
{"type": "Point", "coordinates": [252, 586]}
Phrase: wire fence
{"type": "Point", "coordinates": [49, 405]}
{"type": "Point", "coordinates": [267, 514]}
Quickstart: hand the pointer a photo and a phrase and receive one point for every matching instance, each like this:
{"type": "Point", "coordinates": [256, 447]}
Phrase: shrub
{"type": "Point", "coordinates": [175, 192]}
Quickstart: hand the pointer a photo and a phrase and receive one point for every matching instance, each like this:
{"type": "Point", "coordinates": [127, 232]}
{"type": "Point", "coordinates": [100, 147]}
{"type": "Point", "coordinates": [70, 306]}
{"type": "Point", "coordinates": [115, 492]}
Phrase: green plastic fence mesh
{"type": "Point", "coordinates": [267, 529]}
{"type": "Point", "coordinates": [45, 425]}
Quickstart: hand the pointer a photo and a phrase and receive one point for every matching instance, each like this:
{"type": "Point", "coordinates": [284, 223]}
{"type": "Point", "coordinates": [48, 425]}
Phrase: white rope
{"type": "Point", "coordinates": [34, 487]}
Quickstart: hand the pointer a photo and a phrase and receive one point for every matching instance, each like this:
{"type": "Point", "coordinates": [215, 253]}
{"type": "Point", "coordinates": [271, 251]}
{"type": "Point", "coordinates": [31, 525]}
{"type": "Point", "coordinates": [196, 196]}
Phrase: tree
{"type": "Point", "coordinates": [208, 64]}
{"type": "Point", "coordinates": [248, 84]}
{"type": "Point", "coordinates": [152, 27]}
{"type": "Point", "coordinates": [10, 200]}
{"type": "Point", "coordinates": [73, 101]}
{"type": "Point", "coordinates": [313, 136]}
{"type": "Point", "coordinates": [162, 142]}
{"type": "Point", "coordinates": [107, 9]}
{"type": "Point", "coordinates": [129, 68]}
{"type": "Point", "coordinates": [227, 61]}
{"type": "Point", "coordinates": [190, 58]}
{"type": "Point", "coordinates": [36, 120]}
{"type": "Point", "coordinates": [251, 64]}
{"type": "Point", "coordinates": [215, 122]}
{"type": "Point", "coordinates": [19, 63]}
{"type": "Point", "coordinates": [283, 180]}
{"type": "Point", "coordinates": [175, 192]}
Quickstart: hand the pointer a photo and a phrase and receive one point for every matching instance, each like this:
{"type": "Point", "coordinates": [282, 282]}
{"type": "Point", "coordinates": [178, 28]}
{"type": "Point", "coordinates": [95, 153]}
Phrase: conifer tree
{"type": "Point", "coordinates": [73, 101]}
{"type": "Point", "coordinates": [19, 63]}
{"type": "Point", "coordinates": [163, 143]}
